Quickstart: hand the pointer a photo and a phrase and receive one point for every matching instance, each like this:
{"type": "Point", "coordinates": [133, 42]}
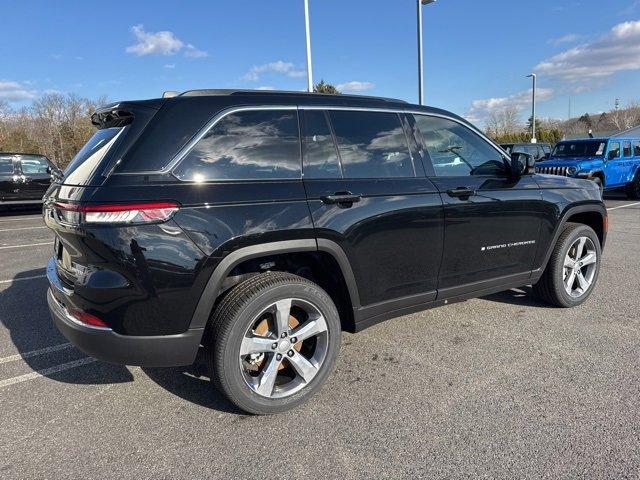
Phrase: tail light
{"type": "Point", "coordinates": [87, 319]}
{"type": "Point", "coordinates": [120, 214]}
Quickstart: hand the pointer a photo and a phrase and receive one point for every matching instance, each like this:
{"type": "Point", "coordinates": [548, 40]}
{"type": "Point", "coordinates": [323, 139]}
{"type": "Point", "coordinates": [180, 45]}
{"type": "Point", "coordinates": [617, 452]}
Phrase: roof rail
{"type": "Point", "coordinates": [213, 92]}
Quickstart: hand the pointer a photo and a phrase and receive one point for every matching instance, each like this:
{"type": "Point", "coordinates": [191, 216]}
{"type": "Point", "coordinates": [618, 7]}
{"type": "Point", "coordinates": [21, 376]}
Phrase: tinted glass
{"type": "Point", "coordinates": [518, 149]}
{"type": "Point", "coordinates": [626, 149]}
{"type": "Point", "coordinates": [372, 145]}
{"type": "Point", "coordinates": [636, 149]}
{"type": "Point", "coordinates": [531, 150]}
{"type": "Point", "coordinates": [246, 146]}
{"type": "Point", "coordinates": [546, 149]}
{"type": "Point", "coordinates": [456, 151]}
{"type": "Point", "coordinates": [320, 155]}
{"type": "Point", "coordinates": [614, 150]}
{"type": "Point", "coordinates": [33, 165]}
{"type": "Point", "coordinates": [507, 147]}
{"type": "Point", "coordinates": [593, 148]}
{"type": "Point", "coordinates": [90, 157]}
{"type": "Point", "coordinates": [6, 166]}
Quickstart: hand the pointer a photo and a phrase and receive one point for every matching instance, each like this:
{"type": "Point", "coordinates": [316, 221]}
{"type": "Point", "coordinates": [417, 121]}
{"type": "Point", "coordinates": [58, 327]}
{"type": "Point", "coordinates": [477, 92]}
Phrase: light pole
{"type": "Point", "coordinates": [308, 35]}
{"type": "Point", "coordinates": [420, 67]}
{"type": "Point", "coordinates": [533, 109]}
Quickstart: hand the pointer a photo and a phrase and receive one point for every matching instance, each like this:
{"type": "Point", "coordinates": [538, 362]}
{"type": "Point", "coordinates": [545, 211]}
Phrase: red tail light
{"type": "Point", "coordinates": [126, 213]}
{"type": "Point", "coordinates": [87, 319]}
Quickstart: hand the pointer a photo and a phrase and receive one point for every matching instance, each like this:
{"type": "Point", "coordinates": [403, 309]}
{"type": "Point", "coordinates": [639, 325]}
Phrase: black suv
{"type": "Point", "coordinates": [539, 151]}
{"type": "Point", "coordinates": [25, 178]}
{"type": "Point", "coordinates": [256, 226]}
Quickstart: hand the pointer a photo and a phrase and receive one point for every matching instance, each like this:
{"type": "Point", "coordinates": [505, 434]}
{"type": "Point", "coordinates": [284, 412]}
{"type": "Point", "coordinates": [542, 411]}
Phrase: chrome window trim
{"type": "Point", "coordinates": [184, 151]}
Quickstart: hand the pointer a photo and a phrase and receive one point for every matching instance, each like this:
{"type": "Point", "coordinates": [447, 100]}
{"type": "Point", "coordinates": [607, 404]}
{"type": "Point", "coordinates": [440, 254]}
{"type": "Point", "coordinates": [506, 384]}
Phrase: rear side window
{"type": "Point", "coordinates": [31, 165]}
{"type": "Point", "coordinates": [90, 157]}
{"type": "Point", "coordinates": [626, 149]}
{"type": "Point", "coordinates": [250, 145]}
{"type": "Point", "coordinates": [320, 158]}
{"type": "Point", "coordinates": [6, 166]}
{"type": "Point", "coordinates": [456, 151]}
{"type": "Point", "coordinates": [636, 149]}
{"type": "Point", "coordinates": [372, 145]}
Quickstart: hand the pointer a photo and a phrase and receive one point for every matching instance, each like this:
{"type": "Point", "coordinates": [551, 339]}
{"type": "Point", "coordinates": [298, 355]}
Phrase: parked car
{"type": "Point", "coordinates": [539, 151]}
{"type": "Point", "coordinates": [259, 225]}
{"type": "Point", "coordinates": [610, 162]}
{"type": "Point", "coordinates": [24, 178]}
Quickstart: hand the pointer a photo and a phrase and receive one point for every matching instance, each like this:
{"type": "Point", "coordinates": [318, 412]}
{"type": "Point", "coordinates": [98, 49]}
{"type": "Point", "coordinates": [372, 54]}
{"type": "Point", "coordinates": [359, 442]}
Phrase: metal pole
{"type": "Point", "coordinates": [533, 109]}
{"type": "Point", "coordinates": [420, 67]}
{"type": "Point", "coordinates": [308, 34]}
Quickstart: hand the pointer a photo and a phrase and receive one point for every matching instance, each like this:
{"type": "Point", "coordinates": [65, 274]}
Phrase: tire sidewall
{"type": "Point", "coordinates": [233, 381]}
{"type": "Point", "coordinates": [558, 269]}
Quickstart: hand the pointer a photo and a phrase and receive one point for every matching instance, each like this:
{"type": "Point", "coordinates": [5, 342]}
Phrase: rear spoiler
{"type": "Point", "coordinates": [121, 113]}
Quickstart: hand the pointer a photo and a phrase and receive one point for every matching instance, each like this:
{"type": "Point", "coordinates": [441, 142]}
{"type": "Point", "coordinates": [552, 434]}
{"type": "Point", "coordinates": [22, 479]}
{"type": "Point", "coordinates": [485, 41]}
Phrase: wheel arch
{"type": "Point", "coordinates": [229, 272]}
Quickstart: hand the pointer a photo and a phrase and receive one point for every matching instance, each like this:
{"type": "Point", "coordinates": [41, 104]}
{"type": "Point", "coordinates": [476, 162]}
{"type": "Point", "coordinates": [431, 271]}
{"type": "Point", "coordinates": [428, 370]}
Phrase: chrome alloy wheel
{"type": "Point", "coordinates": [284, 348]}
{"type": "Point", "coordinates": [580, 265]}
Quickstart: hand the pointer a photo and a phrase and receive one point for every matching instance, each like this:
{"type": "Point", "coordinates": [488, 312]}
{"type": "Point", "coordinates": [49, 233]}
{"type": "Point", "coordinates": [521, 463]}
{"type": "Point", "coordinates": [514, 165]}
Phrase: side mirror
{"type": "Point", "coordinates": [612, 155]}
{"type": "Point", "coordinates": [49, 170]}
{"type": "Point", "coordinates": [547, 155]}
{"type": "Point", "coordinates": [522, 164]}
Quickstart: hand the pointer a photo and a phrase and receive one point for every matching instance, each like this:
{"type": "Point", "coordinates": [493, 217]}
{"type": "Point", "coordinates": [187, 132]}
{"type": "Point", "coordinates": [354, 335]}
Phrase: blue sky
{"type": "Point", "coordinates": [477, 53]}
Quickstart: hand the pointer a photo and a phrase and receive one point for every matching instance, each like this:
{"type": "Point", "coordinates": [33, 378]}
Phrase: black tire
{"type": "Point", "coordinates": [550, 288]}
{"type": "Point", "coordinates": [234, 316]}
{"type": "Point", "coordinates": [633, 189]}
{"type": "Point", "coordinates": [598, 181]}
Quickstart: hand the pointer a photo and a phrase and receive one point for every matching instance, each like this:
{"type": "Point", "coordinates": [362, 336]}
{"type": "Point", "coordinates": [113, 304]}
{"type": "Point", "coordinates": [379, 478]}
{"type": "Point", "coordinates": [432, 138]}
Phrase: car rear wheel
{"type": "Point", "coordinates": [572, 271]}
{"type": "Point", "coordinates": [272, 342]}
{"type": "Point", "coordinates": [633, 189]}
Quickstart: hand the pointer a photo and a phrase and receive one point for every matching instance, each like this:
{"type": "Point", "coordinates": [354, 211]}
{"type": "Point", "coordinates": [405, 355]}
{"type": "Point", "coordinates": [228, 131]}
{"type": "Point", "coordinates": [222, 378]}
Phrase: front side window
{"type": "Point", "coordinates": [249, 145]}
{"type": "Point", "coordinates": [31, 165]}
{"type": "Point", "coordinates": [6, 165]}
{"type": "Point", "coordinates": [456, 151]}
{"type": "Point", "coordinates": [614, 150]}
{"type": "Point", "coordinates": [320, 159]}
{"type": "Point", "coordinates": [626, 149]}
{"type": "Point", "coordinates": [372, 145]}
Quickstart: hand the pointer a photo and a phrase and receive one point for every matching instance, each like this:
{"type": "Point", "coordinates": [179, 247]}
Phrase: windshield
{"type": "Point", "coordinates": [89, 158]}
{"type": "Point", "coordinates": [580, 149]}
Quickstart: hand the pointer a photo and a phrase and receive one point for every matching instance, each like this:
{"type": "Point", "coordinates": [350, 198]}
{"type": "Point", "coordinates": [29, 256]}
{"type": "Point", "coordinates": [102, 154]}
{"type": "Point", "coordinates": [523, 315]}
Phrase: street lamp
{"type": "Point", "coordinates": [533, 109]}
{"type": "Point", "coordinates": [420, 68]}
{"type": "Point", "coordinates": [308, 35]}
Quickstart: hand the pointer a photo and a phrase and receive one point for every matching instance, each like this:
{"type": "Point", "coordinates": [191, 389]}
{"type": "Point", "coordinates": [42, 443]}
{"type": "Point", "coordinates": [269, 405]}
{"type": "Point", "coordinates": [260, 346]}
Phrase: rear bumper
{"type": "Point", "coordinates": [109, 346]}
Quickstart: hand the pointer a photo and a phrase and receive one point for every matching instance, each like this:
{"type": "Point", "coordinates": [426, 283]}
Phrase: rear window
{"type": "Point", "coordinates": [6, 165]}
{"type": "Point", "coordinates": [372, 145]}
{"type": "Point", "coordinates": [91, 156]}
{"type": "Point", "coordinates": [250, 145]}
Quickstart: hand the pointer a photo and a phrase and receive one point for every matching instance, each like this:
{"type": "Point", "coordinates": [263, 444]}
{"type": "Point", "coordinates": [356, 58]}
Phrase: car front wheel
{"type": "Point", "coordinates": [272, 341]}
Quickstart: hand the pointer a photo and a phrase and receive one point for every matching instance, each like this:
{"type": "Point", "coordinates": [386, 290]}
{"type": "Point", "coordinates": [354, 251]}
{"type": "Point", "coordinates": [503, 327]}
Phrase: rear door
{"type": "Point", "coordinates": [492, 221]}
{"type": "Point", "coordinates": [368, 193]}
{"type": "Point", "coordinates": [9, 186]}
{"type": "Point", "coordinates": [35, 176]}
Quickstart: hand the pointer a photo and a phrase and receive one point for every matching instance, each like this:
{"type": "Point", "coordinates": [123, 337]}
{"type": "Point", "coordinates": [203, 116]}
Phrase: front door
{"type": "Point", "coordinates": [492, 221]}
{"type": "Point", "coordinates": [368, 193]}
{"type": "Point", "coordinates": [35, 177]}
{"type": "Point", "coordinates": [9, 186]}
{"type": "Point", "coordinates": [613, 167]}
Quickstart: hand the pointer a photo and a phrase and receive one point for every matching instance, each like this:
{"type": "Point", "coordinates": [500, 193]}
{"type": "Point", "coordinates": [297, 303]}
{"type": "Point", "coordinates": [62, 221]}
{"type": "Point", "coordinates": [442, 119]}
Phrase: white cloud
{"type": "Point", "coordinates": [617, 51]}
{"type": "Point", "coordinates": [285, 68]}
{"type": "Point", "coordinates": [161, 43]}
{"type": "Point", "coordinates": [569, 38]}
{"type": "Point", "coordinates": [169, 66]}
{"type": "Point", "coordinates": [481, 109]}
{"type": "Point", "coordinates": [14, 91]}
{"type": "Point", "coordinates": [193, 52]}
{"type": "Point", "coordinates": [355, 86]}
{"type": "Point", "coordinates": [266, 87]}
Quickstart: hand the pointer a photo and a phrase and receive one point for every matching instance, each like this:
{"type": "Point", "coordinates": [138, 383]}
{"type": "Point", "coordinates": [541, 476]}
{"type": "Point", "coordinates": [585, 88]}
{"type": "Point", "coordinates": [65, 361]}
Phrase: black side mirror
{"type": "Point", "coordinates": [547, 155]}
{"type": "Point", "coordinates": [613, 154]}
{"type": "Point", "coordinates": [522, 164]}
{"type": "Point", "coordinates": [49, 170]}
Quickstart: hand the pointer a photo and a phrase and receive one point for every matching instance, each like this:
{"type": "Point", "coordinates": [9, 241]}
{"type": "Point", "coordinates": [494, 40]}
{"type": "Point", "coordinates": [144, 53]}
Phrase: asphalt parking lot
{"type": "Point", "coordinates": [501, 387]}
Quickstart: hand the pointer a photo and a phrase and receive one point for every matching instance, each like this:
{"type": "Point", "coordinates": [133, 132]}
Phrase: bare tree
{"type": "Point", "coordinates": [624, 118]}
{"type": "Point", "coordinates": [503, 122]}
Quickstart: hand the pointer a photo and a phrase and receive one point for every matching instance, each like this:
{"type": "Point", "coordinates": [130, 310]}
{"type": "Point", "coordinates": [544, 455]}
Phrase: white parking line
{"type": "Point", "coordinates": [23, 219]}
{"type": "Point", "coordinates": [26, 245]}
{"type": "Point", "coordinates": [35, 353]}
{"type": "Point", "coordinates": [21, 279]}
{"type": "Point", "coordinates": [46, 371]}
{"type": "Point", "coordinates": [624, 206]}
{"type": "Point", "coordinates": [21, 228]}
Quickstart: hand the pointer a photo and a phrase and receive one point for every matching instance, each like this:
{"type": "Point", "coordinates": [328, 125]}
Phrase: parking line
{"type": "Point", "coordinates": [26, 245]}
{"type": "Point", "coordinates": [24, 219]}
{"type": "Point", "coordinates": [624, 206]}
{"type": "Point", "coordinates": [21, 228]}
{"type": "Point", "coordinates": [21, 279]}
{"type": "Point", "coordinates": [35, 353]}
{"type": "Point", "coordinates": [46, 371]}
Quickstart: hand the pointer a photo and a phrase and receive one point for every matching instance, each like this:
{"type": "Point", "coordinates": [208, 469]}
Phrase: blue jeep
{"type": "Point", "coordinates": [610, 162]}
